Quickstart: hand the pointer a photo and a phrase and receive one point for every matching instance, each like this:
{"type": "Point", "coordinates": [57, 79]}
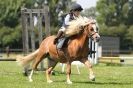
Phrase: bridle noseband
{"type": "Point", "coordinates": [91, 34]}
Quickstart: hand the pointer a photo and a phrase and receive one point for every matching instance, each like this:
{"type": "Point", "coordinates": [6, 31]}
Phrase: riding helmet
{"type": "Point", "coordinates": [76, 7]}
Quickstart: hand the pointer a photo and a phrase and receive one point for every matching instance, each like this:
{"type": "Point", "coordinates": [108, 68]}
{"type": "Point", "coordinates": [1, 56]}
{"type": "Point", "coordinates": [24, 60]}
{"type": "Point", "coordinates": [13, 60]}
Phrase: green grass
{"type": "Point", "coordinates": [106, 77]}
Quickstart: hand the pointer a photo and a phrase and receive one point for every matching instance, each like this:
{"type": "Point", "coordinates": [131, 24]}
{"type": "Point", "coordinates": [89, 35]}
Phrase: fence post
{"type": "Point", "coordinates": [32, 30]}
{"type": "Point", "coordinates": [47, 20]}
{"type": "Point", "coordinates": [25, 36]}
{"type": "Point", "coordinates": [40, 35]}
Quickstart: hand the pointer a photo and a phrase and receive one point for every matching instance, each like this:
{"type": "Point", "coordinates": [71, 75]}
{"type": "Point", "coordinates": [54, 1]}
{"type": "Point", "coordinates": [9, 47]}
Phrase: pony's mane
{"type": "Point", "coordinates": [74, 26]}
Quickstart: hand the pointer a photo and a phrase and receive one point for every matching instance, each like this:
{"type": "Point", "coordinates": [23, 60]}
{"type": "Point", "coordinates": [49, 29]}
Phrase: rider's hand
{"type": "Point", "coordinates": [55, 40]}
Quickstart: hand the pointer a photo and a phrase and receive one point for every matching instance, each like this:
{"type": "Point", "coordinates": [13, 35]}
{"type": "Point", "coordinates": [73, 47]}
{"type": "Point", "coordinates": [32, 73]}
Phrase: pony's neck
{"type": "Point", "coordinates": [84, 39]}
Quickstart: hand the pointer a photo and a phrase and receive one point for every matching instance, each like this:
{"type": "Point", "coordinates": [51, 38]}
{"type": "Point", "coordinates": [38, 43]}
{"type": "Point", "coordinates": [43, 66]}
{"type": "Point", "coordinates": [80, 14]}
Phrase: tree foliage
{"type": "Point", "coordinates": [114, 12]}
{"type": "Point", "coordinates": [9, 12]}
{"type": "Point", "coordinates": [10, 36]}
{"type": "Point", "coordinates": [115, 18]}
{"type": "Point", "coordinates": [91, 12]}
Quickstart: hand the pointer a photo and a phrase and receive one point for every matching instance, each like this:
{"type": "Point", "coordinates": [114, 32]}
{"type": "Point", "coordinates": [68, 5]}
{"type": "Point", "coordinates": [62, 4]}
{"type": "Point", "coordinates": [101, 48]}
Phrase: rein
{"type": "Point", "coordinates": [93, 34]}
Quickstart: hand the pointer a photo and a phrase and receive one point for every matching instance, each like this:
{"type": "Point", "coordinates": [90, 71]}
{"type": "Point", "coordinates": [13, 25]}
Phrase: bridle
{"type": "Point", "coordinates": [90, 34]}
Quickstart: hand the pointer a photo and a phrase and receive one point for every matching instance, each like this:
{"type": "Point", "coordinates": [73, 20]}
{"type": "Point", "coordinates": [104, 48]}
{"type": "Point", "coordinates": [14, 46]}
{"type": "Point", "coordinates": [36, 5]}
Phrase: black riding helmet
{"type": "Point", "coordinates": [76, 7]}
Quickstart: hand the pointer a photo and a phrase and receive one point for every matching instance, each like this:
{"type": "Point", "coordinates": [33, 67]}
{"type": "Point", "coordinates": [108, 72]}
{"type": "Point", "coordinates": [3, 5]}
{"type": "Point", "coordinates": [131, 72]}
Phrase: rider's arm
{"type": "Point", "coordinates": [67, 20]}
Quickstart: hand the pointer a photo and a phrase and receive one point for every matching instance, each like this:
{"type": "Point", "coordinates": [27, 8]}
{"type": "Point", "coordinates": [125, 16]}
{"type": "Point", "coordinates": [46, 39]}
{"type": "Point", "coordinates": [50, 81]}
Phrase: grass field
{"type": "Point", "coordinates": [106, 77]}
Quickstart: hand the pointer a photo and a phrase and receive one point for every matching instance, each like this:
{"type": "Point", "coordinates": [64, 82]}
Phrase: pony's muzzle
{"type": "Point", "coordinates": [97, 39]}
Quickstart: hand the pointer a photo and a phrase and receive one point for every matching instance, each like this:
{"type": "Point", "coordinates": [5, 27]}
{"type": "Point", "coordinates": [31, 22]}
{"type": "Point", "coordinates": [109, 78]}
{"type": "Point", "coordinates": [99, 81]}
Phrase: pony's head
{"type": "Point", "coordinates": [91, 28]}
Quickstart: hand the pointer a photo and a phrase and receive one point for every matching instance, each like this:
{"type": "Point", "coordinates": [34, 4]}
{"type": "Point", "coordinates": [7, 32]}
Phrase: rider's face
{"type": "Point", "coordinates": [76, 13]}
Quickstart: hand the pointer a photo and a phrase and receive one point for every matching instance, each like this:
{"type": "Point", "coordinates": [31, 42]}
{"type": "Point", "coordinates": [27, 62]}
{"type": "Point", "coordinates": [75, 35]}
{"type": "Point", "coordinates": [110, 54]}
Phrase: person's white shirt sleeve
{"type": "Point", "coordinates": [67, 19]}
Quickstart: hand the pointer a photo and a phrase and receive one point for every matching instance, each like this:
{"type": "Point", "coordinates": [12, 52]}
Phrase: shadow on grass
{"type": "Point", "coordinates": [104, 83]}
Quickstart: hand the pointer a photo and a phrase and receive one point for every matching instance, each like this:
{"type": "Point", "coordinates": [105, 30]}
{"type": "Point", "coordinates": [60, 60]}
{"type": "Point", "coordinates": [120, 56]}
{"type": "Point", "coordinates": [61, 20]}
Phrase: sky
{"type": "Point", "coordinates": [87, 3]}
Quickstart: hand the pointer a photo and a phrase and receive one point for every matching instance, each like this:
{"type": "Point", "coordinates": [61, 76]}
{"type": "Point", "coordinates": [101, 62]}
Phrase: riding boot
{"type": "Point", "coordinates": [60, 33]}
{"type": "Point", "coordinates": [61, 43]}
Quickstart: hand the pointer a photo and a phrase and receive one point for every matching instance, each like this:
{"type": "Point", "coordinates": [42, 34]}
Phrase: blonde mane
{"type": "Point", "coordinates": [74, 26]}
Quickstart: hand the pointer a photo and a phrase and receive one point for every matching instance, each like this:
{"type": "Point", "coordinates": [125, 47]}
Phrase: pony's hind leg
{"type": "Point", "coordinates": [30, 76]}
{"type": "Point", "coordinates": [51, 65]}
{"type": "Point", "coordinates": [38, 59]}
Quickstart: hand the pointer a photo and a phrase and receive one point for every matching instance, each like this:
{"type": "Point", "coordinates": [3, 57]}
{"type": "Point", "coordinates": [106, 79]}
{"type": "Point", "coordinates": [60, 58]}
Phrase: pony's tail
{"type": "Point", "coordinates": [25, 60]}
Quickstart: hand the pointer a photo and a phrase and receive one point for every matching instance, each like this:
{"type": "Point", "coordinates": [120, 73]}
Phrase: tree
{"type": "Point", "coordinates": [10, 37]}
{"type": "Point", "coordinates": [9, 12]}
{"type": "Point", "coordinates": [91, 12]}
{"type": "Point", "coordinates": [113, 12]}
{"type": "Point", "coordinates": [130, 36]}
{"type": "Point", "coordinates": [115, 18]}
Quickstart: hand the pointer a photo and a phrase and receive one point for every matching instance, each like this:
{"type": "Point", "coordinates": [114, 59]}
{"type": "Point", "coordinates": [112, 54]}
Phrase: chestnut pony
{"type": "Point", "coordinates": [76, 50]}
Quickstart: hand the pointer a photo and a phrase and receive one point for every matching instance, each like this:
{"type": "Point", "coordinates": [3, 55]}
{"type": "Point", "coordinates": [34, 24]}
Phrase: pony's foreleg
{"type": "Point", "coordinates": [48, 72]}
{"type": "Point", "coordinates": [89, 66]}
{"type": "Point", "coordinates": [68, 72]}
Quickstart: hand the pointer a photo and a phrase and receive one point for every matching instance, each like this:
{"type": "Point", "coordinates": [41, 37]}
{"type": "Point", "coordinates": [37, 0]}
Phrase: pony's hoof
{"type": "Point", "coordinates": [50, 81]}
{"type": "Point", "coordinates": [30, 80]}
{"type": "Point", "coordinates": [92, 78]}
{"type": "Point", "coordinates": [69, 82]}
